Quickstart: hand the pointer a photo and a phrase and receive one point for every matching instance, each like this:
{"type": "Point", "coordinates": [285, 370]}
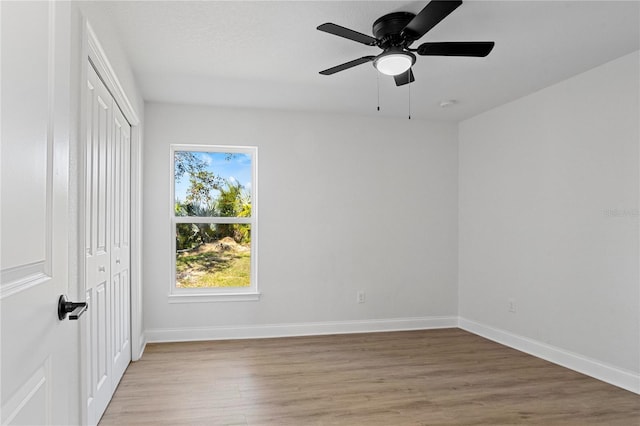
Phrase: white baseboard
{"type": "Point", "coordinates": [298, 329]}
{"type": "Point", "coordinates": [143, 344]}
{"type": "Point", "coordinates": [618, 377]}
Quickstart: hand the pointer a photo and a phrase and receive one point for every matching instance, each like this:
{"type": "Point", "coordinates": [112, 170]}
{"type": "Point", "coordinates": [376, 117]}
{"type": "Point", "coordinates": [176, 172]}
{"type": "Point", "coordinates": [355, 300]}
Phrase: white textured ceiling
{"type": "Point", "coordinates": [267, 54]}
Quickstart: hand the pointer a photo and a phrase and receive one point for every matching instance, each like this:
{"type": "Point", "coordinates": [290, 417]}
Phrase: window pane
{"type": "Point", "coordinates": [212, 184]}
{"type": "Point", "coordinates": [213, 255]}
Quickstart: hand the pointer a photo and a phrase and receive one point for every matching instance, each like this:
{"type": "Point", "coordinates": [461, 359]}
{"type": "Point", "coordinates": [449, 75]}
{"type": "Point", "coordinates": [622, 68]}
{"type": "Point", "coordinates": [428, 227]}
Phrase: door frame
{"type": "Point", "coordinates": [93, 53]}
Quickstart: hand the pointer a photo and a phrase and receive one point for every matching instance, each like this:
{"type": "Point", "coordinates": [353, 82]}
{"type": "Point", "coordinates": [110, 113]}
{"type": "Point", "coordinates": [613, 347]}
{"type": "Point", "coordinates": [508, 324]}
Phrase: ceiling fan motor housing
{"type": "Point", "coordinates": [388, 29]}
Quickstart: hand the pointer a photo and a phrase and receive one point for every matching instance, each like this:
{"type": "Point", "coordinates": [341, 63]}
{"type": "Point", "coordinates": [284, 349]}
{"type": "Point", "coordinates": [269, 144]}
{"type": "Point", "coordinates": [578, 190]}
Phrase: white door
{"type": "Point", "coordinates": [120, 231]}
{"type": "Point", "coordinates": [39, 368]}
{"type": "Point", "coordinates": [107, 213]}
{"type": "Point", "coordinates": [97, 245]}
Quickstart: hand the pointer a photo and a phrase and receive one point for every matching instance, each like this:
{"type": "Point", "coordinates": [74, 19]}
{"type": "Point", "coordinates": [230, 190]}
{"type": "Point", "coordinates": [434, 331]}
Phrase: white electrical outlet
{"type": "Point", "coordinates": [511, 303]}
{"type": "Point", "coordinates": [361, 296]}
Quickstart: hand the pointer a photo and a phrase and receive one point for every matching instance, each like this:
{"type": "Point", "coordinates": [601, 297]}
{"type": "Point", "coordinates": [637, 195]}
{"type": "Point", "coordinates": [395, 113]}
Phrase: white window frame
{"type": "Point", "coordinates": [222, 294]}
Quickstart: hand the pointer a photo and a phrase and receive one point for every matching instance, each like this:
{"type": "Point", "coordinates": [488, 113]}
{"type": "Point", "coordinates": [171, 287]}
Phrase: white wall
{"type": "Point", "coordinates": [346, 203]}
{"type": "Point", "coordinates": [98, 17]}
{"type": "Point", "coordinates": [549, 217]}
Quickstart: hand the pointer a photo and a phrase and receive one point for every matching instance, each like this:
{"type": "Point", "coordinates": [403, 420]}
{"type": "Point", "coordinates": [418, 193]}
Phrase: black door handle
{"type": "Point", "coordinates": [76, 309]}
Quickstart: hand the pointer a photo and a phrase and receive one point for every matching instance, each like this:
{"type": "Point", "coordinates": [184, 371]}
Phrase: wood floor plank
{"type": "Point", "coordinates": [431, 377]}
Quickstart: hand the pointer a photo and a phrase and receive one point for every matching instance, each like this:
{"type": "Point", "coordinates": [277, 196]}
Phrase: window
{"type": "Point", "coordinates": [214, 223]}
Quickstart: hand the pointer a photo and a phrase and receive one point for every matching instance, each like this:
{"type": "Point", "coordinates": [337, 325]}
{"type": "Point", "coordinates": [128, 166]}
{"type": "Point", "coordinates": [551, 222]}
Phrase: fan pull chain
{"type": "Point", "coordinates": [409, 96]}
{"type": "Point", "coordinates": [378, 84]}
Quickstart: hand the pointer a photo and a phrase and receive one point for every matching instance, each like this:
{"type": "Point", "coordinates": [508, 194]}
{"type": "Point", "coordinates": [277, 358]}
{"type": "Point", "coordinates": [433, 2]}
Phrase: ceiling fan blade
{"type": "Point", "coordinates": [348, 65]}
{"type": "Point", "coordinates": [347, 33]}
{"type": "Point", "coordinates": [429, 17]}
{"type": "Point", "coordinates": [404, 78]}
{"type": "Point", "coordinates": [456, 48]}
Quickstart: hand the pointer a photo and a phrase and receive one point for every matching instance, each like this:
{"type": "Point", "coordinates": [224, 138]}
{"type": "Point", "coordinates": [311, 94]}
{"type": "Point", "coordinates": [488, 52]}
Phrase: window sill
{"type": "Point", "coordinates": [209, 297]}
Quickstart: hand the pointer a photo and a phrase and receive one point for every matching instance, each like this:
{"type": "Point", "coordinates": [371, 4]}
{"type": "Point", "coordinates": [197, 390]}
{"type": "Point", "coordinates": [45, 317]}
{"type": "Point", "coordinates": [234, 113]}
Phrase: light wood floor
{"type": "Point", "coordinates": [433, 377]}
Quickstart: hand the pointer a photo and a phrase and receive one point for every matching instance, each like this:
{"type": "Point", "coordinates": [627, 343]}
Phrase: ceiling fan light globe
{"type": "Point", "coordinates": [394, 63]}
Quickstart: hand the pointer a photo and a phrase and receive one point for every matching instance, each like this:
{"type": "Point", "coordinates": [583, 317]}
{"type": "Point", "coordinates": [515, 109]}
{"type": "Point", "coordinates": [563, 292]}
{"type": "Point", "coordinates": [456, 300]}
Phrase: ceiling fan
{"type": "Point", "coordinates": [394, 33]}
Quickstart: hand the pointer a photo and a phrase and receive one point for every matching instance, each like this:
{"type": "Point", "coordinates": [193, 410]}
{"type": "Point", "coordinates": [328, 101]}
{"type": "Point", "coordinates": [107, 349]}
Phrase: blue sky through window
{"type": "Point", "coordinates": [237, 168]}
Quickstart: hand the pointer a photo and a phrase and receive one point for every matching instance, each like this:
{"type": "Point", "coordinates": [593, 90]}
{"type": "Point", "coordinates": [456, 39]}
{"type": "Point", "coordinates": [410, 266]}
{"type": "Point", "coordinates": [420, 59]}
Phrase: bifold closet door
{"type": "Point", "coordinates": [120, 290]}
{"type": "Point", "coordinates": [108, 348]}
{"type": "Point", "coordinates": [97, 246]}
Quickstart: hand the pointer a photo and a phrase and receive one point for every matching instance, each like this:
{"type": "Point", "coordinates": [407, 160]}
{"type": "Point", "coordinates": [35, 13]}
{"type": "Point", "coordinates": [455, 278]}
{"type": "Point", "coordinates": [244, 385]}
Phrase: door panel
{"type": "Point", "coordinates": [97, 260]}
{"type": "Point", "coordinates": [120, 245]}
{"type": "Point", "coordinates": [30, 404]}
{"type": "Point", "coordinates": [40, 378]}
{"type": "Point", "coordinates": [25, 80]}
{"type": "Point", "coordinates": [98, 377]}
